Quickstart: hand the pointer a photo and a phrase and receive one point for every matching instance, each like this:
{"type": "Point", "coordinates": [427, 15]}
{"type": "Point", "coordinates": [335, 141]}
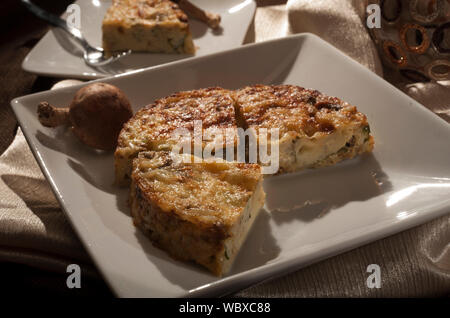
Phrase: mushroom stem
{"type": "Point", "coordinates": [50, 116]}
{"type": "Point", "coordinates": [211, 19]}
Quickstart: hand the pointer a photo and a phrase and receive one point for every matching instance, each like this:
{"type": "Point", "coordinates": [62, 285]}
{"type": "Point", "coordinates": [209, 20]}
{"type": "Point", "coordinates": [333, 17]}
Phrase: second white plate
{"type": "Point", "coordinates": [55, 55]}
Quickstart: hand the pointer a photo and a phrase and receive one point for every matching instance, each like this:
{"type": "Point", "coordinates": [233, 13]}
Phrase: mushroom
{"type": "Point", "coordinates": [96, 115]}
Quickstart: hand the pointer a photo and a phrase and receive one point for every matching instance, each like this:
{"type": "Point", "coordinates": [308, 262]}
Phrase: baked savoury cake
{"type": "Point", "coordinates": [153, 127]}
{"type": "Point", "coordinates": [146, 25]}
{"type": "Point", "coordinates": [202, 211]}
{"type": "Point", "coordinates": [315, 130]}
{"type": "Point", "coordinates": [197, 212]}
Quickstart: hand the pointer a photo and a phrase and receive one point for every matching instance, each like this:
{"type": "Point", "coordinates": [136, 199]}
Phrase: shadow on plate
{"type": "Point", "coordinates": [70, 46]}
{"type": "Point", "coordinates": [311, 194]}
{"type": "Point", "coordinates": [67, 43]}
{"type": "Point", "coordinates": [95, 166]}
{"type": "Point", "coordinates": [198, 29]}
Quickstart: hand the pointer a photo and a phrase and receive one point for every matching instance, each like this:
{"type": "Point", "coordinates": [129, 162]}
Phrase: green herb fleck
{"type": "Point", "coordinates": [366, 129]}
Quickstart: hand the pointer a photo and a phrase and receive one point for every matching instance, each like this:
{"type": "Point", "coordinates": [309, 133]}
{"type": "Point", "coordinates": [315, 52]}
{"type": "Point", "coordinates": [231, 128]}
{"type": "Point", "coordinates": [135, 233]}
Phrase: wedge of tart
{"type": "Point", "coordinates": [198, 212]}
{"type": "Point", "coordinates": [206, 116]}
{"type": "Point", "coordinates": [147, 26]}
{"type": "Point", "coordinates": [315, 130]}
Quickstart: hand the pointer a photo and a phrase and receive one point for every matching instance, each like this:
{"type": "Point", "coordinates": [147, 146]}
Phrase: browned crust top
{"type": "Point", "coordinates": [208, 194]}
{"type": "Point", "coordinates": [294, 109]}
{"type": "Point", "coordinates": [155, 123]}
{"type": "Point", "coordinates": [145, 12]}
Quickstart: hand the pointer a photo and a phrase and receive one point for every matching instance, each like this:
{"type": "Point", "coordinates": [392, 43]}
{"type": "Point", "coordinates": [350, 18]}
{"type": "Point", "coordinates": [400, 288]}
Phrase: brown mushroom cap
{"type": "Point", "coordinates": [97, 113]}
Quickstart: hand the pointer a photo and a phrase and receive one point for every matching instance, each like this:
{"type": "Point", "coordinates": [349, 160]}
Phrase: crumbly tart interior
{"type": "Point", "coordinates": [315, 130]}
{"type": "Point", "coordinates": [197, 212]}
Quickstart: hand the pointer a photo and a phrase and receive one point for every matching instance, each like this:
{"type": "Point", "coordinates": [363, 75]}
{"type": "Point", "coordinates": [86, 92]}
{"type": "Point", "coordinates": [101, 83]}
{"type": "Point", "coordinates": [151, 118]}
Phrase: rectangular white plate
{"type": "Point", "coordinates": [405, 182]}
{"type": "Point", "coordinates": [55, 55]}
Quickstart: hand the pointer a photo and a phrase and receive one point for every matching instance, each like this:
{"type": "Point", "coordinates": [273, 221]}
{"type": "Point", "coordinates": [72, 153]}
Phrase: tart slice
{"type": "Point", "coordinates": [314, 130]}
{"type": "Point", "coordinates": [146, 25]}
{"type": "Point", "coordinates": [197, 212]}
{"type": "Point", "coordinates": [207, 112]}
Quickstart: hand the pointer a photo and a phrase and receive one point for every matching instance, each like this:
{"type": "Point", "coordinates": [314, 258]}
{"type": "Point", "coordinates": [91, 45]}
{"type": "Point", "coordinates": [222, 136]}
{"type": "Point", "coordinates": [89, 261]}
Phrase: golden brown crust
{"type": "Point", "coordinates": [190, 209]}
{"type": "Point", "coordinates": [153, 127]}
{"type": "Point", "coordinates": [155, 123]}
{"type": "Point", "coordinates": [294, 109]}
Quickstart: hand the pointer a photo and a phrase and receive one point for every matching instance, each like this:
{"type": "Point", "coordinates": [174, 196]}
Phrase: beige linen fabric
{"type": "Point", "coordinates": [34, 231]}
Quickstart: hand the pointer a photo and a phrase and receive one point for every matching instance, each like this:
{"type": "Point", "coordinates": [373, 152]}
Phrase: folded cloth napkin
{"type": "Point", "coordinates": [34, 231]}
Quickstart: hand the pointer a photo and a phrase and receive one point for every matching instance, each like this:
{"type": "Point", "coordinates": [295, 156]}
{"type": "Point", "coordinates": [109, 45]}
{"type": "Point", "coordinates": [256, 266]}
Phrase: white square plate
{"type": "Point", "coordinates": [309, 215]}
{"type": "Point", "coordinates": [55, 55]}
